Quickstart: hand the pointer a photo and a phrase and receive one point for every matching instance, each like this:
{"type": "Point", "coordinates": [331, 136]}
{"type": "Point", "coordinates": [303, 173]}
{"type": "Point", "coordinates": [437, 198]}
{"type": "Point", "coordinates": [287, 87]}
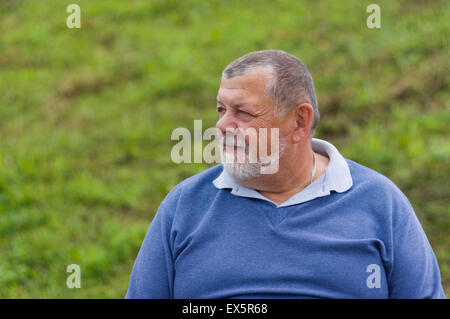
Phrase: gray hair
{"type": "Point", "coordinates": [291, 83]}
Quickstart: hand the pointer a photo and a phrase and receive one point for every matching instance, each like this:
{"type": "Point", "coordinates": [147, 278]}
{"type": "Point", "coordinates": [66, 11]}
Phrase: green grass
{"type": "Point", "coordinates": [86, 117]}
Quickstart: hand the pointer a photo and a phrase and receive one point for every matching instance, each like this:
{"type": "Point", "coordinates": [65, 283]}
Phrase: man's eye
{"type": "Point", "coordinates": [220, 109]}
{"type": "Point", "coordinates": [245, 113]}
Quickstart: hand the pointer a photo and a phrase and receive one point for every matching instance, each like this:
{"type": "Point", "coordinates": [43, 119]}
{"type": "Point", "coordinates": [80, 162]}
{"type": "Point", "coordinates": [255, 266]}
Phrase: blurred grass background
{"type": "Point", "coordinates": [86, 116]}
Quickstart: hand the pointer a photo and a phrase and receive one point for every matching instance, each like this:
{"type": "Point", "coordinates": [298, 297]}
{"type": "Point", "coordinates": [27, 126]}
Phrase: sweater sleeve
{"type": "Point", "coordinates": [415, 273]}
{"type": "Point", "coordinates": [153, 271]}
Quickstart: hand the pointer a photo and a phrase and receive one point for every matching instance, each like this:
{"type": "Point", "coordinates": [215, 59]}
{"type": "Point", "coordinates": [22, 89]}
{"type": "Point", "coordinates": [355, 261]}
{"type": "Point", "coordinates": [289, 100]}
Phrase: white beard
{"type": "Point", "coordinates": [244, 170]}
{"type": "Point", "coordinates": [241, 171]}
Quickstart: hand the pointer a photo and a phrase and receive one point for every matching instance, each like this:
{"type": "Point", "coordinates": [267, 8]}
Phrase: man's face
{"type": "Point", "coordinates": [244, 109]}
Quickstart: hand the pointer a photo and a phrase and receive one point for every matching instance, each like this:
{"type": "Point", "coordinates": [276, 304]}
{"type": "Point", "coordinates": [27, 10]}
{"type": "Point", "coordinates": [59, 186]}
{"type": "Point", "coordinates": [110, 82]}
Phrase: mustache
{"type": "Point", "coordinates": [234, 140]}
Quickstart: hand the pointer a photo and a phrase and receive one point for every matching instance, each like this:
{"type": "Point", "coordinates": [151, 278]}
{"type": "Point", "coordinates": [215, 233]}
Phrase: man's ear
{"type": "Point", "coordinates": [303, 115]}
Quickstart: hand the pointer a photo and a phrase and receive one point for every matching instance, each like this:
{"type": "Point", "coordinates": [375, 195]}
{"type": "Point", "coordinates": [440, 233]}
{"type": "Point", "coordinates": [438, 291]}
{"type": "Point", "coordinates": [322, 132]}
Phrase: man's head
{"type": "Point", "coordinates": [266, 89]}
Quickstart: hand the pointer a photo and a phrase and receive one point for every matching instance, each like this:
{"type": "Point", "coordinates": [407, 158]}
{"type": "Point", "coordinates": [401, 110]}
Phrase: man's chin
{"type": "Point", "coordinates": [242, 171]}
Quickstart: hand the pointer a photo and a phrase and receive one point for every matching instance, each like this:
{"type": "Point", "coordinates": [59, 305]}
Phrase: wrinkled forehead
{"type": "Point", "coordinates": [247, 88]}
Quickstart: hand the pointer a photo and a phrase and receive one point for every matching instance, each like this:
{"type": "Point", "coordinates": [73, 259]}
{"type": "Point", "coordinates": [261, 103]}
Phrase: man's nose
{"type": "Point", "coordinates": [226, 122]}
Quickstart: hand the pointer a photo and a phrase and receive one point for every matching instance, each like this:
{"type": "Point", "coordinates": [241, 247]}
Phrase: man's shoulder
{"type": "Point", "coordinates": [361, 173]}
{"type": "Point", "coordinates": [367, 177]}
{"type": "Point", "coordinates": [202, 179]}
{"type": "Point", "coordinates": [195, 186]}
{"type": "Point", "coordinates": [376, 185]}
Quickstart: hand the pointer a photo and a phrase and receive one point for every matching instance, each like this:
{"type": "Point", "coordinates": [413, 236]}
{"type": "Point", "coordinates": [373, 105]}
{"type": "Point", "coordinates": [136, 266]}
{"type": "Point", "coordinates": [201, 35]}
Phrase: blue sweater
{"type": "Point", "coordinates": [366, 242]}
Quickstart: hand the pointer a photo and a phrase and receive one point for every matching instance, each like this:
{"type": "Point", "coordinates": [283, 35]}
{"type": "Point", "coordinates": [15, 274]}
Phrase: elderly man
{"type": "Point", "coordinates": [320, 226]}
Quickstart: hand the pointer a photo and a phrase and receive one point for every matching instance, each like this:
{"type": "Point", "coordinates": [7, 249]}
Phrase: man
{"type": "Point", "coordinates": [321, 226]}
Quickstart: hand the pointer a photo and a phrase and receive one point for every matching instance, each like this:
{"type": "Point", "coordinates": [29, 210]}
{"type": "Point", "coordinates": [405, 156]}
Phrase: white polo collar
{"type": "Point", "coordinates": [336, 178]}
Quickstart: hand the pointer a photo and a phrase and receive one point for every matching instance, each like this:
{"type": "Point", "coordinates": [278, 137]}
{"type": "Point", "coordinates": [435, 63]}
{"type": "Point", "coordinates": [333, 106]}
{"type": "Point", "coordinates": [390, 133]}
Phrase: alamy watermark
{"type": "Point", "coordinates": [373, 20]}
{"type": "Point", "coordinates": [74, 19]}
{"type": "Point", "coordinates": [374, 279]}
{"type": "Point", "coordinates": [74, 279]}
{"type": "Point", "coordinates": [234, 147]}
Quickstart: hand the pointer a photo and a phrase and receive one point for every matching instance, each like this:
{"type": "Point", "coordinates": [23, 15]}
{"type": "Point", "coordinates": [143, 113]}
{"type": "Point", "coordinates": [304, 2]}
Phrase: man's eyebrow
{"type": "Point", "coordinates": [235, 105]}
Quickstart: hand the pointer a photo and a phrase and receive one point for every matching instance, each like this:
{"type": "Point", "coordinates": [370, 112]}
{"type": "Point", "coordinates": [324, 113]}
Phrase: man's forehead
{"type": "Point", "coordinates": [239, 98]}
{"type": "Point", "coordinates": [250, 88]}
